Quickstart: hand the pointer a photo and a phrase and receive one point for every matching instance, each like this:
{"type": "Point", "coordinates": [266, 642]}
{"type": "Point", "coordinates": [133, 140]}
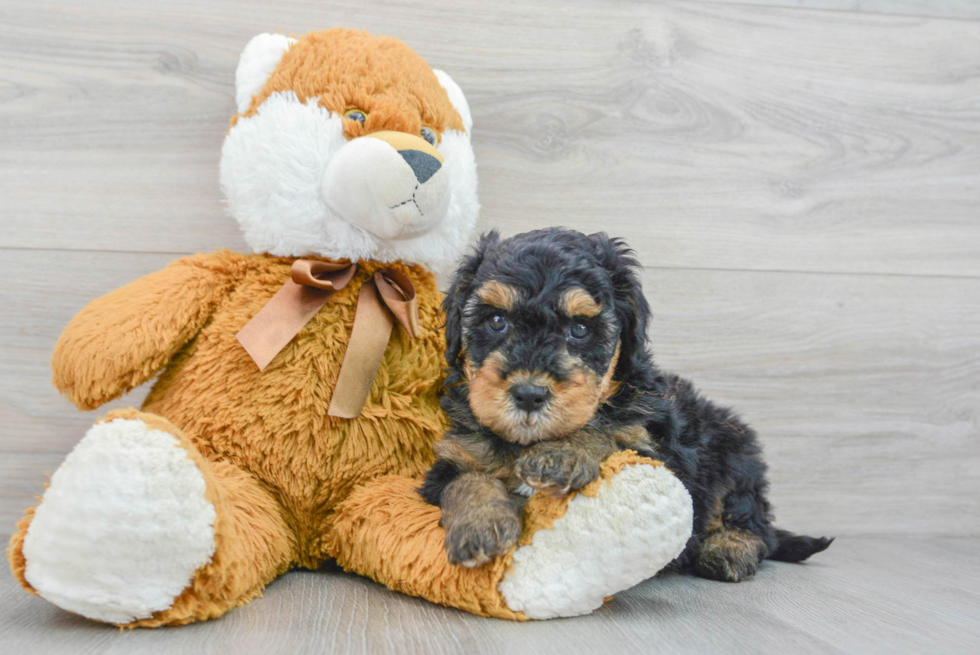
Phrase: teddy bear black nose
{"type": "Point", "coordinates": [530, 397]}
{"type": "Point", "coordinates": [423, 165]}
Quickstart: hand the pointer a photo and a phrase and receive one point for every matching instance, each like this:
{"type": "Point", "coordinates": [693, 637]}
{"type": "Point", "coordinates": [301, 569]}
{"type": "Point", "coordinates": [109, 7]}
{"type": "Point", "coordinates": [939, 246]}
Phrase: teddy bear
{"type": "Point", "coordinates": [295, 402]}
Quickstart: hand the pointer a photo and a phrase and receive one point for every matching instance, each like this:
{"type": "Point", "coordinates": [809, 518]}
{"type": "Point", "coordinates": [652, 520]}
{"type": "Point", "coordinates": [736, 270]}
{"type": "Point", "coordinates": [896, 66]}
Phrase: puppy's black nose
{"type": "Point", "coordinates": [530, 397]}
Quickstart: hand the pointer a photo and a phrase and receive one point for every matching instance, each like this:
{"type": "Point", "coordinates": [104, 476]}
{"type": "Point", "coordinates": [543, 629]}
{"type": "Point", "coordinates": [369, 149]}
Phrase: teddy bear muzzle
{"type": "Point", "coordinates": [391, 184]}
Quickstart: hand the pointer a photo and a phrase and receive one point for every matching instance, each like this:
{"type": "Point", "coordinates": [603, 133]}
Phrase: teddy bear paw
{"type": "Point", "coordinates": [123, 526]}
{"type": "Point", "coordinates": [636, 523]}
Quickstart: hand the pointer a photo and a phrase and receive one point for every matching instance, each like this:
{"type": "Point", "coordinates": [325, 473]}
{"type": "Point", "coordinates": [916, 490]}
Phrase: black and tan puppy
{"type": "Point", "coordinates": [550, 373]}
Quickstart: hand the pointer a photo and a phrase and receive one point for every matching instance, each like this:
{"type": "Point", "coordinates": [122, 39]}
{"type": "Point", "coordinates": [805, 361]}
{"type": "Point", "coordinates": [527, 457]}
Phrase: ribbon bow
{"type": "Point", "coordinates": [311, 285]}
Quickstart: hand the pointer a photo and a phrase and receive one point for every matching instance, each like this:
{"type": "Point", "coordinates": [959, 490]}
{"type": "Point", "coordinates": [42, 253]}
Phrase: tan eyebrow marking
{"type": "Point", "coordinates": [578, 302]}
{"type": "Point", "coordinates": [497, 294]}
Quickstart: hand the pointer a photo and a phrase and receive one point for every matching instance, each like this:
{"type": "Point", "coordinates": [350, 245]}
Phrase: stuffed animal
{"type": "Point", "coordinates": [295, 405]}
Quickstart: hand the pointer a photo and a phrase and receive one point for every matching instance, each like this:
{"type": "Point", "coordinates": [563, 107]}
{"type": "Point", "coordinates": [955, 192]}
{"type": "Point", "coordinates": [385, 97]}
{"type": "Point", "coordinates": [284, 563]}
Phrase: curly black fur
{"type": "Point", "coordinates": [711, 450]}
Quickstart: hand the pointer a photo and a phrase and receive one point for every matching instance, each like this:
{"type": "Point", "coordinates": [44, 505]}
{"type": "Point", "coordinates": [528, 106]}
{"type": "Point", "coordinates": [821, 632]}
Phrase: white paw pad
{"type": "Point", "coordinates": [636, 524]}
{"type": "Point", "coordinates": [123, 527]}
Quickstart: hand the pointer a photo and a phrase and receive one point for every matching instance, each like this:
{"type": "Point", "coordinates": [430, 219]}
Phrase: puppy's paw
{"type": "Point", "coordinates": [729, 556]}
{"type": "Point", "coordinates": [481, 535]}
{"type": "Point", "coordinates": [556, 468]}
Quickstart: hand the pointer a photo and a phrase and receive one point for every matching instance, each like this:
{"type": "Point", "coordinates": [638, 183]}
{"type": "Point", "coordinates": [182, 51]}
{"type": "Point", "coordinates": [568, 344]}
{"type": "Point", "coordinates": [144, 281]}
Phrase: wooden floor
{"type": "Point", "coordinates": [866, 595]}
{"type": "Point", "coordinates": [801, 179]}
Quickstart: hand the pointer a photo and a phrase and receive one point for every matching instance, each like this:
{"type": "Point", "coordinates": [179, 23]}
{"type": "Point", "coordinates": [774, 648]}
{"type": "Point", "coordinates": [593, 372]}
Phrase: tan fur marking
{"type": "Point", "coordinates": [574, 402]}
{"type": "Point", "coordinates": [454, 452]}
{"type": "Point", "coordinates": [572, 405]}
{"type": "Point", "coordinates": [578, 302]}
{"type": "Point", "coordinates": [730, 555]}
{"type": "Point", "coordinates": [634, 437]}
{"type": "Point", "coordinates": [532, 377]}
{"type": "Point", "coordinates": [714, 520]}
{"type": "Point", "coordinates": [472, 452]}
{"type": "Point", "coordinates": [564, 465]}
{"type": "Point", "coordinates": [608, 387]}
{"type": "Point", "coordinates": [488, 395]}
{"type": "Point", "coordinates": [497, 294]}
{"type": "Point", "coordinates": [480, 520]}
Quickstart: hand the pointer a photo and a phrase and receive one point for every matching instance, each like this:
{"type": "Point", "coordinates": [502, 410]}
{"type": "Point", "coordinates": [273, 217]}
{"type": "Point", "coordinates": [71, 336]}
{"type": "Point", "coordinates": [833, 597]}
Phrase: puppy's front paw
{"type": "Point", "coordinates": [481, 535]}
{"type": "Point", "coordinates": [556, 468]}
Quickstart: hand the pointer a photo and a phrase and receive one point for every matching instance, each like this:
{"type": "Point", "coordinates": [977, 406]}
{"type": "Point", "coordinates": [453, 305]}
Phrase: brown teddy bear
{"type": "Point", "coordinates": [295, 406]}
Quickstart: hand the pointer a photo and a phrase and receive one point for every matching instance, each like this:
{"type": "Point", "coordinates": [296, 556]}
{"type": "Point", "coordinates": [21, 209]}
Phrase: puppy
{"type": "Point", "coordinates": [550, 372]}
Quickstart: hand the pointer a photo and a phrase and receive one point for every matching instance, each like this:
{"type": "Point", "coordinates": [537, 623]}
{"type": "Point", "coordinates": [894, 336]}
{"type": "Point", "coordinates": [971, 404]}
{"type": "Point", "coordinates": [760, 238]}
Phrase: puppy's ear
{"type": "Point", "coordinates": [460, 290]}
{"type": "Point", "coordinates": [632, 310]}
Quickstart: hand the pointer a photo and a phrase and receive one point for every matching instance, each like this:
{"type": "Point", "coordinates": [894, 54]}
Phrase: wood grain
{"type": "Point", "coordinates": [956, 9]}
{"type": "Point", "coordinates": [713, 135]}
{"type": "Point", "coordinates": [40, 292]}
{"type": "Point", "coordinates": [868, 595]}
{"type": "Point", "coordinates": [863, 387]}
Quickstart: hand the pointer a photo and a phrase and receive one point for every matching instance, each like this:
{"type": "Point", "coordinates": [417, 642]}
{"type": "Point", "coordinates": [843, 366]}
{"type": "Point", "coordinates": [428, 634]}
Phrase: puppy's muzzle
{"type": "Point", "coordinates": [530, 397]}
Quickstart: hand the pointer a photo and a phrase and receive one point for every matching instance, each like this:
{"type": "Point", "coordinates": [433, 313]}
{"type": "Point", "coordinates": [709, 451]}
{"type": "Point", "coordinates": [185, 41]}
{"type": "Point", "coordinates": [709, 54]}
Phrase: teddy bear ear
{"type": "Point", "coordinates": [456, 97]}
{"type": "Point", "coordinates": [259, 58]}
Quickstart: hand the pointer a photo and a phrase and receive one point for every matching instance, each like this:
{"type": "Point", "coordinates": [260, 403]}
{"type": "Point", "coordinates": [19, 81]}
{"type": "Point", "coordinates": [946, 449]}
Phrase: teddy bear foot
{"type": "Point", "coordinates": [123, 526]}
{"type": "Point", "coordinates": [632, 525]}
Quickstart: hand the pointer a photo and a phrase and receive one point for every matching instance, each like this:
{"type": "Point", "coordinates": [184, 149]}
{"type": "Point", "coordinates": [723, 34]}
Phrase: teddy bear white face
{"type": "Point", "coordinates": [299, 187]}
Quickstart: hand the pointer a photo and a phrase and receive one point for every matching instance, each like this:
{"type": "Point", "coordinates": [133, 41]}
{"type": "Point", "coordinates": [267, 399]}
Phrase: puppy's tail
{"type": "Point", "coordinates": [796, 548]}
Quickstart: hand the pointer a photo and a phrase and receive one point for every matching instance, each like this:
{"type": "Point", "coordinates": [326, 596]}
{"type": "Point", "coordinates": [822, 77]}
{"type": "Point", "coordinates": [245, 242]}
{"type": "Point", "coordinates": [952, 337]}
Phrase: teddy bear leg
{"type": "Point", "coordinates": [136, 528]}
{"type": "Point", "coordinates": [574, 553]}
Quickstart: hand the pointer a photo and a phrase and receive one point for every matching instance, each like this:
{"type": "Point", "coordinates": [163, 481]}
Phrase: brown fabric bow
{"type": "Point", "coordinates": [311, 285]}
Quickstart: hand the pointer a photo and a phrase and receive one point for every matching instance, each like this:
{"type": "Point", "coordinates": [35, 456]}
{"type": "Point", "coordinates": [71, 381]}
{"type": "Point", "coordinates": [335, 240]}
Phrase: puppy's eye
{"type": "Point", "coordinates": [430, 135]}
{"type": "Point", "coordinates": [578, 332]}
{"type": "Point", "coordinates": [497, 323]}
{"type": "Point", "coordinates": [356, 115]}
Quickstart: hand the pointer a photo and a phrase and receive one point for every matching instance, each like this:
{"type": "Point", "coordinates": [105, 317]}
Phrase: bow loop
{"type": "Point", "coordinates": [398, 293]}
{"type": "Point", "coordinates": [329, 276]}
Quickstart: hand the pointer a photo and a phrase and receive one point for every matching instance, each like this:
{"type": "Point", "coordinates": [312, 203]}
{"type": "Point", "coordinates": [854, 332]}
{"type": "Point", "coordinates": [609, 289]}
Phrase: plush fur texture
{"type": "Point", "coordinates": [258, 61]}
{"type": "Point", "coordinates": [565, 562]}
{"type": "Point", "coordinates": [650, 512]}
{"type": "Point", "coordinates": [146, 543]}
{"type": "Point", "coordinates": [276, 160]}
{"type": "Point", "coordinates": [279, 463]}
{"type": "Point", "coordinates": [563, 314]}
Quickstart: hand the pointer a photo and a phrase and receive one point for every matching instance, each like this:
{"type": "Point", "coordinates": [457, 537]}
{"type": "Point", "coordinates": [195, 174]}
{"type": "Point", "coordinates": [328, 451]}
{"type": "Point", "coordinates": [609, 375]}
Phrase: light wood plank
{"type": "Point", "coordinates": [715, 136]}
{"type": "Point", "coordinates": [864, 595]}
{"type": "Point", "coordinates": [40, 292]}
{"type": "Point", "coordinates": [955, 9]}
{"type": "Point", "coordinates": [863, 387]}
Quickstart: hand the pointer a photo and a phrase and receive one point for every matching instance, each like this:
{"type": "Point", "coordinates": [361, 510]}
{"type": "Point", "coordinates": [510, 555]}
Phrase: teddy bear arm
{"type": "Point", "coordinates": [122, 339]}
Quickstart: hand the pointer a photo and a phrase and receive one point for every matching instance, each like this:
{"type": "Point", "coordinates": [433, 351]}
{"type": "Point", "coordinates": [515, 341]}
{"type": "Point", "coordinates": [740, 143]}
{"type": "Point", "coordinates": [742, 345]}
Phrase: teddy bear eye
{"type": "Point", "coordinates": [497, 324]}
{"type": "Point", "coordinates": [356, 115]}
{"type": "Point", "coordinates": [429, 135]}
{"type": "Point", "coordinates": [578, 331]}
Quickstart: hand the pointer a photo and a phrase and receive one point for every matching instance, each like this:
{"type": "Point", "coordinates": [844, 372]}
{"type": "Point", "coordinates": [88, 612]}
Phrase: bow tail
{"type": "Point", "coordinates": [365, 351]}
